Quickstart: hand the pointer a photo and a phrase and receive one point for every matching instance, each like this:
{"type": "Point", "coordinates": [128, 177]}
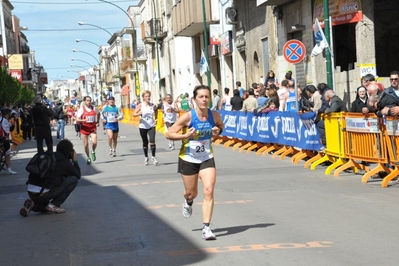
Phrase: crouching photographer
{"type": "Point", "coordinates": [47, 195]}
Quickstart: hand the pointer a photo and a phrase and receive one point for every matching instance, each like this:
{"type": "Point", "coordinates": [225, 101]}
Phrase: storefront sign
{"type": "Point", "coordinates": [341, 11]}
{"type": "Point", "coordinates": [17, 74]}
{"type": "Point", "coordinates": [226, 43]}
{"type": "Point", "coordinates": [15, 61]}
{"type": "Point", "coordinates": [215, 34]}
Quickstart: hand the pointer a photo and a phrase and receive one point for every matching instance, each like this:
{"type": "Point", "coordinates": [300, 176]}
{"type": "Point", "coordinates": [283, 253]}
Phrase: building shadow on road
{"type": "Point", "coordinates": [104, 225]}
{"type": "Point", "coordinates": [220, 232]}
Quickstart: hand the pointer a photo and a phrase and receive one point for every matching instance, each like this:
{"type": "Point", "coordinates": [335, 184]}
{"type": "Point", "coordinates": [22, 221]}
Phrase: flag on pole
{"type": "Point", "coordinates": [203, 64]}
{"type": "Point", "coordinates": [320, 38]}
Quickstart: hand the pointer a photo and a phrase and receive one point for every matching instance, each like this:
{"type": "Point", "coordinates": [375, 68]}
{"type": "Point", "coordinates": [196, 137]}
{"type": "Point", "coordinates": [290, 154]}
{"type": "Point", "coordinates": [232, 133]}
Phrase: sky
{"type": "Point", "coordinates": [53, 29]}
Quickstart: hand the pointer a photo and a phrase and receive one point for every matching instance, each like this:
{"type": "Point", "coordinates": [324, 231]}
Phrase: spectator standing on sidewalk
{"type": "Point", "coordinates": [5, 129]}
{"type": "Point", "coordinates": [196, 158]}
{"type": "Point", "coordinates": [60, 117]}
{"type": "Point", "coordinates": [26, 124]}
{"type": "Point", "coordinates": [42, 116]}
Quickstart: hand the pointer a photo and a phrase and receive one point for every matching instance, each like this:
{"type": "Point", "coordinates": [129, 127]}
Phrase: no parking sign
{"type": "Point", "coordinates": [294, 51]}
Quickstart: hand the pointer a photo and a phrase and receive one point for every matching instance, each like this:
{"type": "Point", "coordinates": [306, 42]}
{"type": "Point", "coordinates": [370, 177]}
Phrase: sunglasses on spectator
{"type": "Point", "coordinates": [393, 79]}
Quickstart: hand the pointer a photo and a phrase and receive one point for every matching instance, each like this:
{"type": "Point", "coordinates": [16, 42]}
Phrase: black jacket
{"type": "Point", "coordinates": [324, 103]}
{"type": "Point", "coordinates": [63, 168]}
{"type": "Point", "coordinates": [41, 115]}
{"type": "Point", "coordinates": [26, 121]}
{"type": "Point", "coordinates": [357, 104]}
{"type": "Point", "coordinates": [391, 91]}
{"type": "Point", "coordinates": [59, 112]}
{"type": "Point", "coordinates": [336, 105]}
{"type": "Point", "coordinates": [386, 100]}
{"type": "Point", "coordinates": [236, 103]}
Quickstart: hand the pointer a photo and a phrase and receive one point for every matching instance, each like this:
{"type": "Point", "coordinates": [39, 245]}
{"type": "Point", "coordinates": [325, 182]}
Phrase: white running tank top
{"type": "Point", "coordinates": [147, 117]}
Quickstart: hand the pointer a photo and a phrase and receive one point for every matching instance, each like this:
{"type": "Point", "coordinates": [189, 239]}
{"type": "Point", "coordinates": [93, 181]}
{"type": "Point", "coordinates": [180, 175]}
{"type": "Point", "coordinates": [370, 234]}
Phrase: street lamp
{"type": "Point", "coordinates": [85, 69]}
{"type": "Point", "coordinates": [117, 51]}
{"type": "Point", "coordinates": [98, 27]}
{"type": "Point", "coordinates": [134, 43]}
{"type": "Point", "coordinates": [75, 59]}
{"type": "Point", "coordinates": [78, 51]}
{"type": "Point", "coordinates": [81, 40]}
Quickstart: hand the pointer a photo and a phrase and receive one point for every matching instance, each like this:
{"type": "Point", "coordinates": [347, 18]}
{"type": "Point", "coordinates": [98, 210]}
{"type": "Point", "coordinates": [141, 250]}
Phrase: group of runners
{"type": "Point", "coordinates": [196, 157]}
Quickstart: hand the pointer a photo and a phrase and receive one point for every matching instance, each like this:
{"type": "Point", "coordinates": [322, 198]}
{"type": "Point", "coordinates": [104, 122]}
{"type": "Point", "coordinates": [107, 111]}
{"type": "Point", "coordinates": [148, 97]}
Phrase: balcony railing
{"type": "Point", "coordinates": [128, 65]}
{"type": "Point", "coordinates": [148, 30]}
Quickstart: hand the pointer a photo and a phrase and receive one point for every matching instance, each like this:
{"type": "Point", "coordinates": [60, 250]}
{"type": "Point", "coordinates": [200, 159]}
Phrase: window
{"type": "Point", "coordinates": [344, 38]}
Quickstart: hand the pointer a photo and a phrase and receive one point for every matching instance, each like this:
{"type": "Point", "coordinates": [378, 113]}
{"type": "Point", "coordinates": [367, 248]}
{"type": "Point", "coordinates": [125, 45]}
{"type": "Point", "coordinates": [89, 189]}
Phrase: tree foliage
{"type": "Point", "coordinates": [12, 92]}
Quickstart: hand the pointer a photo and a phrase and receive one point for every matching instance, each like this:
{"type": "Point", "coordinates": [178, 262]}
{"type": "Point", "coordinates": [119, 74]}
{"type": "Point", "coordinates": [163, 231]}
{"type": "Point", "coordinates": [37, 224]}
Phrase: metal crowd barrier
{"type": "Point", "coordinates": [334, 151]}
{"type": "Point", "coordinates": [363, 141]}
{"type": "Point", "coordinates": [352, 139]}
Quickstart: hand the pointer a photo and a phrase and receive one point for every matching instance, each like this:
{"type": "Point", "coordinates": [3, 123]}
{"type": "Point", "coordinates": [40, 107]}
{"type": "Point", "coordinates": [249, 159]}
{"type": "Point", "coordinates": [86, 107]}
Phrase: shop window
{"type": "Point", "coordinates": [344, 38]}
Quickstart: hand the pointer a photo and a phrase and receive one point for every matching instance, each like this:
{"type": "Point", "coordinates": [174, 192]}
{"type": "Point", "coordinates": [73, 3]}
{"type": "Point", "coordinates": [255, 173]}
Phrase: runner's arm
{"type": "Point", "coordinates": [219, 126]}
{"type": "Point", "coordinates": [137, 111]}
{"type": "Point", "coordinates": [182, 122]}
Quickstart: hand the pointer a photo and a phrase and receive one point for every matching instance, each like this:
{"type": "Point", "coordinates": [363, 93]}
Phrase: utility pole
{"type": "Point", "coordinates": [328, 38]}
{"type": "Point", "coordinates": [206, 40]}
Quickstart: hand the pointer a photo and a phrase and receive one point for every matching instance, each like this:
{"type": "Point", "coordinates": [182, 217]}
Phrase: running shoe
{"type": "Point", "coordinates": [110, 151]}
{"type": "Point", "coordinates": [207, 233]}
{"type": "Point", "coordinates": [187, 210]}
{"type": "Point", "coordinates": [93, 156]}
{"type": "Point", "coordinates": [146, 161]}
{"type": "Point", "coordinates": [28, 206]}
{"type": "Point", "coordinates": [114, 153]}
{"type": "Point", "coordinates": [88, 161]}
{"type": "Point", "coordinates": [154, 160]}
{"type": "Point", "coordinates": [11, 172]}
{"type": "Point", "coordinates": [52, 208]}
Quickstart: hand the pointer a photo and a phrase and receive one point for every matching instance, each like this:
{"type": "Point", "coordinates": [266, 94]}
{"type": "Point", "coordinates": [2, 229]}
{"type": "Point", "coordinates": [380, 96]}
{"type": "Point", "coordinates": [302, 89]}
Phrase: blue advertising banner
{"type": "Point", "coordinates": [284, 128]}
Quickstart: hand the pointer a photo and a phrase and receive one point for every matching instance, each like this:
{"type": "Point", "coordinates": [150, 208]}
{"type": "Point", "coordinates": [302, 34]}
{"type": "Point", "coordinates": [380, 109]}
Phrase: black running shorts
{"type": "Point", "coordinates": [187, 168]}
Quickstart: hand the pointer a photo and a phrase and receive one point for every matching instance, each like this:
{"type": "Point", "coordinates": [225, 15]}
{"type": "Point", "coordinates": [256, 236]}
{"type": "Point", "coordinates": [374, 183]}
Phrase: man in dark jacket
{"type": "Point", "coordinates": [47, 195]}
{"type": "Point", "coordinates": [382, 103]}
{"type": "Point", "coordinates": [322, 88]}
{"type": "Point", "coordinates": [393, 90]}
{"type": "Point", "coordinates": [335, 103]}
{"type": "Point", "coordinates": [41, 121]}
{"type": "Point", "coordinates": [59, 116]}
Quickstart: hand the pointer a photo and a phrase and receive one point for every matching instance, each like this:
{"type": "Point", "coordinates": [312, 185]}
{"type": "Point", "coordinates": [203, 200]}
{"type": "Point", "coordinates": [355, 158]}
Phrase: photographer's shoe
{"type": "Point", "coordinates": [28, 205]}
{"type": "Point", "coordinates": [55, 209]}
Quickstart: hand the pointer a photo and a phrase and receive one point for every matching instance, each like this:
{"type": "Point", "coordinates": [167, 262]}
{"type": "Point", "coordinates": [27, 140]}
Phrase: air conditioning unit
{"type": "Point", "coordinates": [231, 14]}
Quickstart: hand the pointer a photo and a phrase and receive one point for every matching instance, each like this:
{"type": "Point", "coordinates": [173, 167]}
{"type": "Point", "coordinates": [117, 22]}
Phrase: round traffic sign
{"type": "Point", "coordinates": [294, 51]}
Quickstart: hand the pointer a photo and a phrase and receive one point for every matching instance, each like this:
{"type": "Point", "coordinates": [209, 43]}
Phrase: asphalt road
{"type": "Point", "coordinates": [267, 212]}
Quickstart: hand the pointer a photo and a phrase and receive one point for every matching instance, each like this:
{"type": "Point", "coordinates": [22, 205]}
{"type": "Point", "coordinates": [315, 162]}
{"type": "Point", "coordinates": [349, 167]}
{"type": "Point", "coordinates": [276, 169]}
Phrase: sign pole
{"type": "Point", "coordinates": [327, 34]}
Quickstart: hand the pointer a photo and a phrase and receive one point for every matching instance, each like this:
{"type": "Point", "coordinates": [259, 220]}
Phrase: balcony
{"type": "Point", "coordinates": [148, 31]}
{"type": "Point", "coordinates": [271, 2]}
{"type": "Point", "coordinates": [187, 17]}
{"type": "Point", "coordinates": [128, 66]}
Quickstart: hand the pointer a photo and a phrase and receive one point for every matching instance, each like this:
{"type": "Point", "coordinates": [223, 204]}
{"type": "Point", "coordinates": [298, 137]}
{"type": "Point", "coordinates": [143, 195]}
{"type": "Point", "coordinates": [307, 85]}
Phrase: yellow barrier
{"type": "Point", "coordinates": [334, 151]}
{"type": "Point", "coordinates": [391, 137]}
{"type": "Point", "coordinates": [355, 138]}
